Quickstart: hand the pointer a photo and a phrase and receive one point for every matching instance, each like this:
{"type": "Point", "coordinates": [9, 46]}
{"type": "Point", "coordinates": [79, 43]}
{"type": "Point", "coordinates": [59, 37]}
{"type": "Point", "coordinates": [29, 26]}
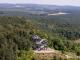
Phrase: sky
{"type": "Point", "coordinates": [49, 2]}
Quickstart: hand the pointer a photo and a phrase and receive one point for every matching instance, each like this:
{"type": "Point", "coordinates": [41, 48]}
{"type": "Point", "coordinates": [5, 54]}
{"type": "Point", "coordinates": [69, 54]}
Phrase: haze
{"type": "Point", "coordinates": [49, 2]}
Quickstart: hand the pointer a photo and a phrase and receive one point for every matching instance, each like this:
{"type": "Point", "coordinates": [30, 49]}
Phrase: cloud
{"type": "Point", "coordinates": [57, 2]}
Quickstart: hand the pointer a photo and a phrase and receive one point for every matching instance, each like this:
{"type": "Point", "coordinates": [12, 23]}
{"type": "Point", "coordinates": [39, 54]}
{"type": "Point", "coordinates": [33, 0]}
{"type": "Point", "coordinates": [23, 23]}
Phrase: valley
{"type": "Point", "coordinates": [59, 25]}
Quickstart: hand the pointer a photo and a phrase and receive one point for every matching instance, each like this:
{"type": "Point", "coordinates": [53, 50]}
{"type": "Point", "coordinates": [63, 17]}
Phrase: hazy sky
{"type": "Point", "coordinates": [53, 2]}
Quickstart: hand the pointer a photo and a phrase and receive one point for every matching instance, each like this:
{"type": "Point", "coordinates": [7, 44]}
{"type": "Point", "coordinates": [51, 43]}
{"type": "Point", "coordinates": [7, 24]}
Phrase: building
{"type": "Point", "coordinates": [39, 44]}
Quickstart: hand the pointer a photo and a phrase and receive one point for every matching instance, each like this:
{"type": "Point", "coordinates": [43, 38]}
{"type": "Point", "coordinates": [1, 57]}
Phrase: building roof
{"type": "Point", "coordinates": [35, 37]}
{"type": "Point", "coordinates": [42, 41]}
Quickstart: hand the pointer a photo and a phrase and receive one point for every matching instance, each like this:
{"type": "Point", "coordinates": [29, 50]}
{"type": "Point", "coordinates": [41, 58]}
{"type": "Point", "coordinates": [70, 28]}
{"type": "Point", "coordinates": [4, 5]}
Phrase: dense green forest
{"type": "Point", "coordinates": [16, 32]}
{"type": "Point", "coordinates": [62, 31]}
{"type": "Point", "coordinates": [15, 38]}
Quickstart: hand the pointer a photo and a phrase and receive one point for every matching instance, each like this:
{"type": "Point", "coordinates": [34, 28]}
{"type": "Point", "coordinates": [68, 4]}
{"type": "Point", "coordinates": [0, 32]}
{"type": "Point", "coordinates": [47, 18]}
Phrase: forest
{"type": "Point", "coordinates": [16, 33]}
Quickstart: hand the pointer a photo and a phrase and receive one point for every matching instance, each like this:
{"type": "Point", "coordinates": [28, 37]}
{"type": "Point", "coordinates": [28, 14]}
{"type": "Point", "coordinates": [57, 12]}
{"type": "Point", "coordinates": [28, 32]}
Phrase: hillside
{"type": "Point", "coordinates": [19, 22]}
{"type": "Point", "coordinates": [15, 38]}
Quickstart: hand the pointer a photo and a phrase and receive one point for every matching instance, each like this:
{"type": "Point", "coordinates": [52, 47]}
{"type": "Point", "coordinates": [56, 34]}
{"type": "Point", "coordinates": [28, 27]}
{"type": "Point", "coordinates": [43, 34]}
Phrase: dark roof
{"type": "Point", "coordinates": [35, 37]}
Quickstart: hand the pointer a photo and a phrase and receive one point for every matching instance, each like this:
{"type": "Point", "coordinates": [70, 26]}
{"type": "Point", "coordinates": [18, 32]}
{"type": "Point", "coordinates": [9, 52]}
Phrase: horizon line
{"type": "Point", "coordinates": [43, 4]}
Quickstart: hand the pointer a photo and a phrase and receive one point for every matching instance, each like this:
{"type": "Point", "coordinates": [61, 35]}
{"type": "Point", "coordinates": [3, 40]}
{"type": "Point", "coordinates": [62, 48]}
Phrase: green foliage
{"type": "Point", "coordinates": [14, 35]}
{"type": "Point", "coordinates": [16, 32]}
{"type": "Point", "coordinates": [26, 55]}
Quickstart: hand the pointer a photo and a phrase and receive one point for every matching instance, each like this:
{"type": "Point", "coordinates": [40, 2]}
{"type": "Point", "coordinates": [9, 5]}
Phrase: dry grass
{"type": "Point", "coordinates": [49, 54]}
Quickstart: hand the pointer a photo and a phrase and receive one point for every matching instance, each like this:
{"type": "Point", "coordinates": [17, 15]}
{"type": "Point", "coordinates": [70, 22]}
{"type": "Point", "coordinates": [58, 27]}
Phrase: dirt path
{"type": "Point", "coordinates": [50, 53]}
{"type": "Point", "coordinates": [45, 51]}
{"type": "Point", "coordinates": [77, 41]}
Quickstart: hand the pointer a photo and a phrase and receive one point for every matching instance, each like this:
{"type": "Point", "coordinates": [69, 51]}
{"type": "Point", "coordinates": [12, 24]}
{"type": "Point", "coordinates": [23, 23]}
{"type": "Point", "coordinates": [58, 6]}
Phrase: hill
{"type": "Point", "coordinates": [16, 43]}
{"type": "Point", "coordinates": [18, 22]}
